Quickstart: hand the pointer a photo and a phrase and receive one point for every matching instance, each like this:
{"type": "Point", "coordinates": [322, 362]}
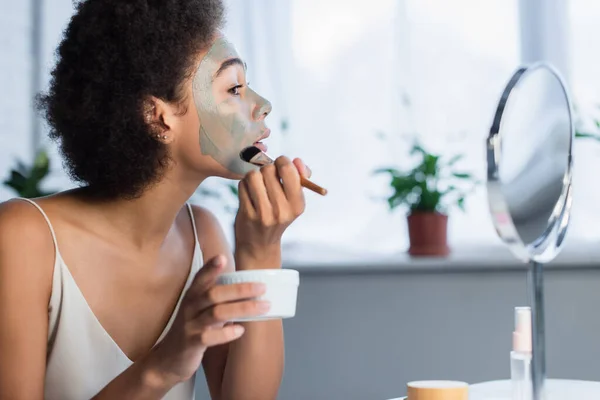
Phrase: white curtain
{"type": "Point", "coordinates": [15, 82]}
{"type": "Point", "coordinates": [344, 73]}
{"type": "Point", "coordinates": [423, 68]}
{"type": "Point", "coordinates": [430, 69]}
{"type": "Point", "coordinates": [583, 59]}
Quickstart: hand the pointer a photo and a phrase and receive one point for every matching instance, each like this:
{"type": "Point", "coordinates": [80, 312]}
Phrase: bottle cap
{"type": "Point", "coordinates": [522, 333]}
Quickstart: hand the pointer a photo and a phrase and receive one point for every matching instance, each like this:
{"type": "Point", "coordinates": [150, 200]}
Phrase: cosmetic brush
{"type": "Point", "coordinates": [255, 156]}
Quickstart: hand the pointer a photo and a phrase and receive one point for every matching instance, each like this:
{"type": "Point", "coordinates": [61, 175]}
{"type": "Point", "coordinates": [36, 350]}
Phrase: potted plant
{"type": "Point", "coordinates": [25, 181]}
{"type": "Point", "coordinates": [427, 191]}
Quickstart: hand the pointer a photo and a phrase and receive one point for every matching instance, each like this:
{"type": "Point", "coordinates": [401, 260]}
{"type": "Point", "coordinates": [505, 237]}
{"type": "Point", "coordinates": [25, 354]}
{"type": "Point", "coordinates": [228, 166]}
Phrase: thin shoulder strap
{"type": "Point", "coordinates": [55, 301]}
{"type": "Point", "coordinates": [191, 211]}
{"type": "Point", "coordinates": [33, 203]}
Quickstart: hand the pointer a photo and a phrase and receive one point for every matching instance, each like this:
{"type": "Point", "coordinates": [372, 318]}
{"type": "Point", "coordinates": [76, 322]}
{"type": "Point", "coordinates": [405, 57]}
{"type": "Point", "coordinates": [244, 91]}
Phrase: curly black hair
{"type": "Point", "coordinates": [114, 55]}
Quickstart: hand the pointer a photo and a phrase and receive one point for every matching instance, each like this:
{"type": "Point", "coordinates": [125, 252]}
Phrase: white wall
{"type": "Point", "coordinates": [56, 16]}
{"type": "Point", "coordinates": [15, 71]}
{"type": "Point", "coordinates": [16, 104]}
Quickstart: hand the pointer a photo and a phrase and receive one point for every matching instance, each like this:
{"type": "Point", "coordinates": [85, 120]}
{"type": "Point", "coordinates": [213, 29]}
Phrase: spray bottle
{"type": "Point", "coordinates": [520, 356]}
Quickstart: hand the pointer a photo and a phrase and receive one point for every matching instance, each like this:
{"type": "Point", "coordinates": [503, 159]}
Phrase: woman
{"type": "Point", "coordinates": [102, 294]}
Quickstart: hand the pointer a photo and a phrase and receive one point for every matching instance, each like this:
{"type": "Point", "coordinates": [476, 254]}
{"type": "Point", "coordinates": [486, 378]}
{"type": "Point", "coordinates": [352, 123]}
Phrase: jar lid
{"type": "Point", "coordinates": [267, 276]}
{"type": "Point", "coordinates": [438, 390]}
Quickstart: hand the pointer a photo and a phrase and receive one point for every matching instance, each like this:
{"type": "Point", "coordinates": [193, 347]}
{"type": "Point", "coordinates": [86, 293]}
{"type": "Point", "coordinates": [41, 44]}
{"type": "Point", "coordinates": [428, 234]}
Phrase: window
{"type": "Point", "coordinates": [430, 67]}
{"type": "Point", "coordinates": [343, 73]}
{"type": "Point", "coordinates": [585, 89]}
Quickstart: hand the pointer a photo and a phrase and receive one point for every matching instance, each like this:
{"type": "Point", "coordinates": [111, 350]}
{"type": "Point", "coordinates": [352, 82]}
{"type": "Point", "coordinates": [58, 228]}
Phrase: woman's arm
{"type": "Point", "coordinates": [252, 366]}
{"type": "Point", "coordinates": [26, 265]}
{"type": "Point", "coordinates": [270, 200]}
{"type": "Point", "coordinates": [142, 380]}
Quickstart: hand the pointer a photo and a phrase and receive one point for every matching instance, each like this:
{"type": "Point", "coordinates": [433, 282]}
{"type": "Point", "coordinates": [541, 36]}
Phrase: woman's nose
{"type": "Point", "coordinates": [262, 107]}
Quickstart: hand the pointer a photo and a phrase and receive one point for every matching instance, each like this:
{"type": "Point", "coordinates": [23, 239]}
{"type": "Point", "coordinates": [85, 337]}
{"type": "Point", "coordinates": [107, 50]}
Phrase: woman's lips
{"type": "Point", "coordinates": [261, 146]}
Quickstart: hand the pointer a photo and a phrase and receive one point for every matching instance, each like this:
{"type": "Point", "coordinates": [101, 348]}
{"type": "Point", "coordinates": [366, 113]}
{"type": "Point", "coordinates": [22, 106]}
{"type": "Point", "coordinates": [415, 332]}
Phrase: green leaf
{"type": "Point", "coordinates": [22, 168]}
{"type": "Point", "coordinates": [25, 181]}
{"type": "Point", "coordinates": [404, 183]}
{"type": "Point", "coordinates": [17, 179]}
{"type": "Point", "coordinates": [582, 135]}
{"type": "Point", "coordinates": [454, 160]}
{"type": "Point", "coordinates": [39, 172]}
{"type": "Point", "coordinates": [462, 175]}
{"type": "Point", "coordinates": [449, 190]}
{"type": "Point", "coordinates": [209, 193]}
{"type": "Point", "coordinates": [391, 171]}
{"type": "Point", "coordinates": [430, 165]}
{"type": "Point", "coordinates": [13, 186]}
{"type": "Point", "coordinates": [461, 203]}
{"type": "Point", "coordinates": [418, 149]}
{"type": "Point", "coordinates": [41, 160]}
{"type": "Point", "coordinates": [429, 200]}
{"type": "Point", "coordinates": [233, 189]}
{"type": "Point", "coordinates": [393, 201]}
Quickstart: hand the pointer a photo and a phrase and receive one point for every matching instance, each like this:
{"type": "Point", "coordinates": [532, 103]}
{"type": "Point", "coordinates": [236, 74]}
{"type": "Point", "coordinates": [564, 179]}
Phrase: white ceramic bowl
{"type": "Point", "coordinates": [281, 290]}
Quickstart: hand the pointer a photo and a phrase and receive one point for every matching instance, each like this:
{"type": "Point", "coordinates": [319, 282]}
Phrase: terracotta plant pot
{"type": "Point", "coordinates": [428, 233]}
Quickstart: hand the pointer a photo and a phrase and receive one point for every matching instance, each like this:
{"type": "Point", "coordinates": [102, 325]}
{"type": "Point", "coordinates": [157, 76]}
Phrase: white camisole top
{"type": "Point", "coordinates": [82, 358]}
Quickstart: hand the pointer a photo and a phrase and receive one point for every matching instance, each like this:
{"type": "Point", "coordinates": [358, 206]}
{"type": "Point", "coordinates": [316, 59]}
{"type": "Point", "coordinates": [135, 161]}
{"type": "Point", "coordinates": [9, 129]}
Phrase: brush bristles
{"type": "Point", "coordinates": [249, 152]}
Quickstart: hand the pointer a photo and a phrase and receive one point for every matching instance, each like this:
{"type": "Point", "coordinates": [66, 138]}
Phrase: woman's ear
{"type": "Point", "coordinates": [159, 117]}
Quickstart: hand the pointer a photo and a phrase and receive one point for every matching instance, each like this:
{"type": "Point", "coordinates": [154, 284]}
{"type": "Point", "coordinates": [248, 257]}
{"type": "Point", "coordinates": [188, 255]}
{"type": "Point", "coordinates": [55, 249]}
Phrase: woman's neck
{"type": "Point", "coordinates": [147, 220]}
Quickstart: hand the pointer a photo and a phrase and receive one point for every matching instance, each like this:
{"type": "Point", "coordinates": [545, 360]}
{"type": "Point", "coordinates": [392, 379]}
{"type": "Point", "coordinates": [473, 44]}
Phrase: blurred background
{"type": "Point", "coordinates": [354, 84]}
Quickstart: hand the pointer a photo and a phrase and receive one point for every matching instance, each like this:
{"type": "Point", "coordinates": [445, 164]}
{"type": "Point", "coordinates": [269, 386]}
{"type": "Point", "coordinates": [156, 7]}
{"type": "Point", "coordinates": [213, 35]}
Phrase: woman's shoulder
{"type": "Point", "coordinates": [207, 224]}
{"type": "Point", "coordinates": [203, 215]}
{"type": "Point", "coordinates": [19, 218]}
{"type": "Point", "coordinates": [210, 233]}
{"type": "Point", "coordinates": [23, 225]}
{"type": "Point", "coordinates": [20, 215]}
{"type": "Point", "coordinates": [26, 246]}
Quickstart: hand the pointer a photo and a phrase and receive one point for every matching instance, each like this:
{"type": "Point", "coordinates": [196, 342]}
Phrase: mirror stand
{"type": "Point", "coordinates": [536, 300]}
{"type": "Point", "coordinates": [529, 160]}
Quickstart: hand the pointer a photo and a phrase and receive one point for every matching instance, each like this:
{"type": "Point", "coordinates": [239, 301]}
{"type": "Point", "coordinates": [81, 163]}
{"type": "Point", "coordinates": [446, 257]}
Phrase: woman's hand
{"type": "Point", "coordinates": [270, 200]}
{"type": "Point", "coordinates": [201, 323]}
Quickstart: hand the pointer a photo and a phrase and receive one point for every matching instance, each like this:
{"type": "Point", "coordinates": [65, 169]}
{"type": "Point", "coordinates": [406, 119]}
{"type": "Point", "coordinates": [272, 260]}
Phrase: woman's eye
{"type": "Point", "coordinates": [235, 90]}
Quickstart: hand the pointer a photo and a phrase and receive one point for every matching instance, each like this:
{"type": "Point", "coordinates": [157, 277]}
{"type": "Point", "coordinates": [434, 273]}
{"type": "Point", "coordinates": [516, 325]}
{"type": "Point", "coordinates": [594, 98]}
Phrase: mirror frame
{"type": "Point", "coordinates": [558, 222]}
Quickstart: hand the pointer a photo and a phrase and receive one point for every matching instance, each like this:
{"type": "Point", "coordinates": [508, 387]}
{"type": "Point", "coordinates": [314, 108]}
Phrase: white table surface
{"type": "Point", "coordinates": [556, 389]}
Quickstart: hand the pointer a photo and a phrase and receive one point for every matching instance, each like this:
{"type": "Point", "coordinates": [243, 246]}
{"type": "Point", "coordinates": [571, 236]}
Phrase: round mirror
{"type": "Point", "coordinates": [530, 164]}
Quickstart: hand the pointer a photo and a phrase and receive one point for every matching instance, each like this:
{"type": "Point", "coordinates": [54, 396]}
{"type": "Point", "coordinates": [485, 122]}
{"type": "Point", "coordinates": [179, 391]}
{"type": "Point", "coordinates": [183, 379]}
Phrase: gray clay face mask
{"type": "Point", "coordinates": [230, 120]}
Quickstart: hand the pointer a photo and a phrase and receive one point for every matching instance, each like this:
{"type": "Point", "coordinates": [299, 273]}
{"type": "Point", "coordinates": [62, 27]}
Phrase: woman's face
{"type": "Point", "coordinates": [230, 115]}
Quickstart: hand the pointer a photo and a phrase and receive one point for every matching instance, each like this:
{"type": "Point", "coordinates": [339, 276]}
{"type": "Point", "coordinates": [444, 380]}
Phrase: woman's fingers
{"type": "Point", "coordinates": [220, 294]}
{"type": "Point", "coordinates": [225, 312]}
{"type": "Point", "coordinates": [246, 204]}
{"type": "Point", "coordinates": [279, 202]}
{"type": "Point", "coordinates": [302, 168]}
{"type": "Point", "coordinates": [221, 335]}
{"type": "Point", "coordinates": [258, 194]}
{"type": "Point", "coordinates": [290, 177]}
{"type": "Point", "coordinates": [206, 277]}
{"type": "Point", "coordinates": [274, 195]}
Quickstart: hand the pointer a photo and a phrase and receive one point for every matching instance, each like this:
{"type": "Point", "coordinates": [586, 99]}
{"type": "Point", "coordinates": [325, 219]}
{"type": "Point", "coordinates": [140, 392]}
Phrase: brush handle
{"type": "Point", "coordinates": [312, 186]}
